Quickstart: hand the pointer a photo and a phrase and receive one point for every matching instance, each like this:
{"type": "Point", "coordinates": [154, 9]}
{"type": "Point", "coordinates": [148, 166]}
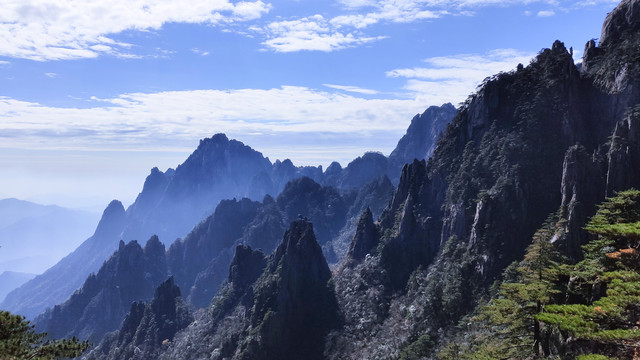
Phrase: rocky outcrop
{"type": "Point", "coordinates": [582, 184]}
{"type": "Point", "coordinates": [365, 239]}
{"type": "Point", "coordinates": [624, 154]}
{"type": "Point", "coordinates": [56, 284]}
{"type": "Point", "coordinates": [280, 308]}
{"type": "Point", "coordinates": [131, 274]}
{"type": "Point", "coordinates": [623, 19]}
{"type": "Point", "coordinates": [147, 327]}
{"type": "Point", "coordinates": [294, 307]}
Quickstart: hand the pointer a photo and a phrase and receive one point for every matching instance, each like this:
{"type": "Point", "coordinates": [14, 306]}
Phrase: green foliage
{"type": "Point", "coordinates": [593, 357]}
{"type": "Point", "coordinates": [18, 340]}
{"type": "Point", "coordinates": [611, 262]}
{"type": "Point", "coordinates": [417, 349]}
{"type": "Point", "coordinates": [511, 328]}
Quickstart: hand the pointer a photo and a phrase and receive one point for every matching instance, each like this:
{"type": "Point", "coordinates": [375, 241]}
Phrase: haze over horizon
{"type": "Point", "coordinates": [92, 97]}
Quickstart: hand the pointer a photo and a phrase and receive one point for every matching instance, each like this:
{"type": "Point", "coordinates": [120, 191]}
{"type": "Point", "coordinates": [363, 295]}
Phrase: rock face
{"type": "Point", "coordinates": [147, 327]}
{"type": "Point", "coordinates": [131, 274]}
{"type": "Point", "coordinates": [56, 284]}
{"type": "Point", "coordinates": [530, 143]}
{"type": "Point", "coordinates": [278, 309]}
{"type": "Point", "coordinates": [365, 238]}
{"type": "Point", "coordinates": [293, 308]}
{"type": "Point", "coordinates": [623, 19]}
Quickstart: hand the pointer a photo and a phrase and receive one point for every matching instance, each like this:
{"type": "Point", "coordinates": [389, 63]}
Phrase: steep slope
{"type": "Point", "coordinates": [56, 284]}
{"type": "Point", "coordinates": [131, 274]}
{"type": "Point", "coordinates": [147, 327]}
{"type": "Point", "coordinates": [284, 315]}
{"type": "Point", "coordinates": [508, 160]}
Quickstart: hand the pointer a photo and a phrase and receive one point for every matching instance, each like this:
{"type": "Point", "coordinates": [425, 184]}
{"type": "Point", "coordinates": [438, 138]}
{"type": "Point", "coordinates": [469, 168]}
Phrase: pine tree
{"type": "Point", "coordinates": [606, 284]}
{"type": "Point", "coordinates": [513, 329]}
{"type": "Point", "coordinates": [19, 341]}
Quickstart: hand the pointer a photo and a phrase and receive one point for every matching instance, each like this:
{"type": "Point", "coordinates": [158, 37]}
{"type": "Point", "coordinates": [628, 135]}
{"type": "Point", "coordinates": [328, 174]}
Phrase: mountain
{"type": "Point", "coordinates": [131, 274]}
{"type": "Point", "coordinates": [541, 140]}
{"type": "Point", "coordinates": [170, 205]}
{"type": "Point", "coordinates": [282, 313]}
{"type": "Point", "coordinates": [10, 280]}
{"type": "Point", "coordinates": [545, 141]}
{"type": "Point", "coordinates": [34, 237]}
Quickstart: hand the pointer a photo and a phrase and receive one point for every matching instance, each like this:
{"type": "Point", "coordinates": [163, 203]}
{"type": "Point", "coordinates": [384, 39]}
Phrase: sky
{"type": "Point", "coordinates": [93, 94]}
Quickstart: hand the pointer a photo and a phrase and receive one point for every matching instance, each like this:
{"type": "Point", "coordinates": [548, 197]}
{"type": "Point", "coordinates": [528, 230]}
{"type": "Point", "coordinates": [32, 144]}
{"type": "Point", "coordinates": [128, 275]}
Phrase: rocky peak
{"type": "Point", "coordinates": [294, 307]}
{"type": "Point", "coordinates": [411, 180]}
{"type": "Point", "coordinates": [365, 239]}
{"type": "Point", "coordinates": [246, 266]}
{"type": "Point", "coordinates": [112, 221]}
{"type": "Point", "coordinates": [419, 142]}
{"type": "Point", "coordinates": [625, 17]}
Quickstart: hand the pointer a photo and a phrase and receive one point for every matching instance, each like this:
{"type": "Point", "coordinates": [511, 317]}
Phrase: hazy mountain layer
{"type": "Point", "coordinates": [34, 237]}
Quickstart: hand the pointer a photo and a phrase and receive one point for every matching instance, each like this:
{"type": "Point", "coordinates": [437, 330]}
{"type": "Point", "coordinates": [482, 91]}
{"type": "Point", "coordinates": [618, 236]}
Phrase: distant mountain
{"type": "Point", "coordinates": [170, 205]}
{"type": "Point", "coordinates": [418, 143]}
{"type": "Point", "coordinates": [34, 237]}
{"type": "Point", "coordinates": [421, 137]}
{"type": "Point", "coordinates": [10, 280]}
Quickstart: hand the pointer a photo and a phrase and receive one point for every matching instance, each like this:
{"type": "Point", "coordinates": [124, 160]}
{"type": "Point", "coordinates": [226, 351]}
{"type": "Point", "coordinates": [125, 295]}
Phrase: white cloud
{"type": "Point", "coordinates": [68, 29]}
{"type": "Point", "coordinates": [354, 89]}
{"type": "Point", "coordinates": [453, 78]}
{"type": "Point", "coordinates": [311, 33]}
{"type": "Point", "coordinates": [546, 13]}
{"type": "Point", "coordinates": [152, 120]}
{"type": "Point", "coordinates": [199, 52]}
{"type": "Point", "coordinates": [50, 74]}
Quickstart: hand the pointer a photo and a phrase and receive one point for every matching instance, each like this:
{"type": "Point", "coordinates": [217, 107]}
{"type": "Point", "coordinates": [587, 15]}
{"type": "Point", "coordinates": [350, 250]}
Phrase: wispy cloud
{"type": "Point", "coordinates": [353, 89]}
{"type": "Point", "coordinates": [50, 74]}
{"type": "Point", "coordinates": [143, 120]}
{"type": "Point", "coordinates": [453, 78]}
{"type": "Point", "coordinates": [348, 29]}
{"type": "Point", "coordinates": [199, 52]}
{"type": "Point", "coordinates": [70, 29]}
{"type": "Point", "coordinates": [312, 33]}
{"type": "Point", "coordinates": [546, 13]}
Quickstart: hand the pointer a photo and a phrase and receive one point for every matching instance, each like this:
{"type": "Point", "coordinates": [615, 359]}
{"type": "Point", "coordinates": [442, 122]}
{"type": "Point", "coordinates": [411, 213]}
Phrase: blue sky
{"type": "Point", "coordinates": [93, 93]}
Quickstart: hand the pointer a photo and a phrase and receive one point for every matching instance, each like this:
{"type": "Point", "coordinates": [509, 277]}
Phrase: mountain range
{"type": "Point", "coordinates": [386, 258]}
